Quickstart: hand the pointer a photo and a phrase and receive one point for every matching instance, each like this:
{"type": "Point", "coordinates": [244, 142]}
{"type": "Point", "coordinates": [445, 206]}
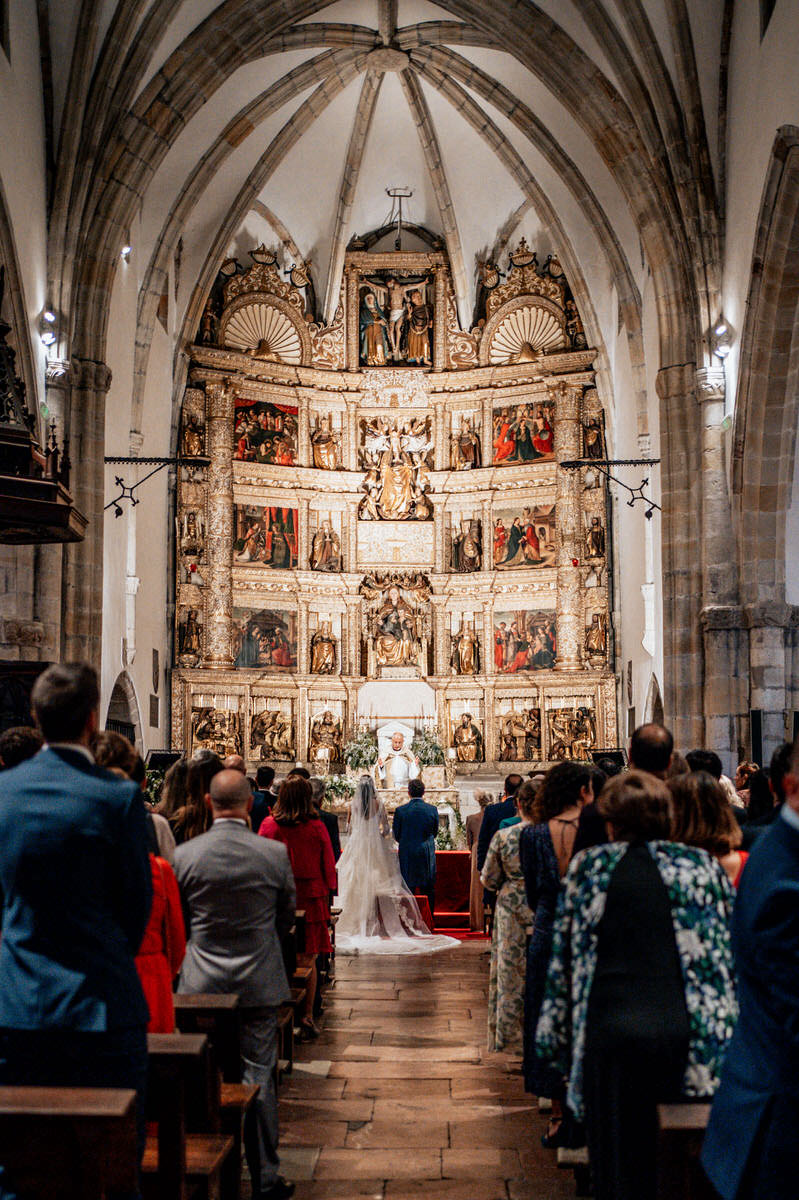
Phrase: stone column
{"type": "Point", "coordinates": [440, 638]}
{"type": "Point", "coordinates": [349, 437]}
{"type": "Point", "coordinates": [487, 432]}
{"type": "Point", "coordinates": [352, 353]}
{"type": "Point", "coordinates": [438, 533]}
{"type": "Point", "coordinates": [82, 579]}
{"type": "Point", "coordinates": [303, 655]}
{"type": "Point", "coordinates": [440, 323]}
{"type": "Point", "coordinates": [303, 430]}
{"type": "Point", "coordinates": [489, 725]}
{"type": "Point", "coordinates": [567, 508]}
{"type": "Point", "coordinates": [487, 641]}
{"type": "Point", "coordinates": [487, 565]}
{"type": "Point", "coordinates": [219, 540]}
{"type": "Point", "coordinates": [349, 532]}
{"type": "Point", "coordinates": [440, 439]}
{"type": "Point", "coordinates": [354, 628]}
{"type": "Point", "coordinates": [301, 747]}
{"type": "Point", "coordinates": [304, 538]}
{"type": "Point", "coordinates": [769, 643]}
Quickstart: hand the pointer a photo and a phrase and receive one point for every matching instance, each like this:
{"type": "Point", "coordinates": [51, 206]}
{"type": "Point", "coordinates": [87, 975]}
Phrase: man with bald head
{"type": "Point", "coordinates": [239, 896]}
{"type": "Point", "coordinates": [651, 748]}
{"type": "Point", "coordinates": [234, 762]}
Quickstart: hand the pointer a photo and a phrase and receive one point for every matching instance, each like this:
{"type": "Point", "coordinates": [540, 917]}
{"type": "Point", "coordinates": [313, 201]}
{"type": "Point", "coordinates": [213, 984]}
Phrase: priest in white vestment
{"type": "Point", "coordinates": [399, 765]}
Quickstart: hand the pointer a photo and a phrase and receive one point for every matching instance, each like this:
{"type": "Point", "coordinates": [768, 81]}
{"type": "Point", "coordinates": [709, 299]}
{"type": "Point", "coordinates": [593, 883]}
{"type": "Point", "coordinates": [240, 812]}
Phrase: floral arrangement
{"type": "Point", "coordinates": [360, 752]}
{"type": "Point", "coordinates": [338, 787]}
{"type": "Point", "coordinates": [445, 840]}
{"type": "Point", "coordinates": [428, 749]}
{"type": "Point", "coordinates": [155, 781]}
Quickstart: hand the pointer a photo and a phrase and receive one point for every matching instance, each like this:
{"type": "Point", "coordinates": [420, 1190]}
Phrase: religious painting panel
{"type": "Point", "coordinates": [524, 640]}
{"type": "Point", "coordinates": [265, 432]}
{"type": "Point", "coordinates": [326, 736]}
{"type": "Point", "coordinates": [216, 725]}
{"type": "Point", "coordinates": [524, 537]}
{"type": "Point", "coordinates": [325, 639]}
{"type": "Point", "coordinates": [272, 735]}
{"type": "Point", "coordinates": [397, 456]}
{"type": "Point", "coordinates": [265, 639]}
{"type": "Point", "coordinates": [571, 732]}
{"type": "Point", "coordinates": [265, 536]}
{"type": "Point", "coordinates": [466, 730]}
{"type": "Point", "coordinates": [465, 645]}
{"type": "Point", "coordinates": [524, 433]}
{"type": "Point", "coordinates": [325, 542]}
{"type": "Point", "coordinates": [466, 448]}
{"type": "Point", "coordinates": [326, 435]}
{"type": "Point", "coordinates": [518, 731]}
{"type": "Point", "coordinates": [396, 318]}
{"type": "Point", "coordinates": [467, 544]}
{"type": "Point", "coordinates": [189, 635]}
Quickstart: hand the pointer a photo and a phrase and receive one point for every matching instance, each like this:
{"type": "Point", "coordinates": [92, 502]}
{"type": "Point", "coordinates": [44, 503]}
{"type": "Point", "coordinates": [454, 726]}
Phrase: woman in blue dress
{"type": "Point", "coordinates": [545, 851]}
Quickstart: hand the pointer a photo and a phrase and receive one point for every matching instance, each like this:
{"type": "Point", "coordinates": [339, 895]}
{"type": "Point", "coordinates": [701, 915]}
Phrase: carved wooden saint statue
{"type": "Point", "coordinates": [193, 438]}
{"type": "Point", "coordinates": [323, 650]}
{"type": "Point", "coordinates": [326, 549]}
{"type": "Point", "coordinates": [272, 735]}
{"type": "Point", "coordinates": [467, 740]}
{"type": "Point", "coordinates": [596, 637]}
{"type": "Point", "coordinates": [466, 450]}
{"type": "Point", "coordinates": [325, 445]}
{"type": "Point", "coordinates": [326, 738]}
{"type": "Point", "coordinates": [595, 539]}
{"type": "Point", "coordinates": [466, 650]}
{"type": "Point", "coordinates": [467, 548]}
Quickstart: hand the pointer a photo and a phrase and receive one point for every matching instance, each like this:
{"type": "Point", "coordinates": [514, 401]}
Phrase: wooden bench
{"type": "Point", "coordinates": [235, 1100]}
{"type": "Point", "coordinates": [217, 1016]}
{"type": "Point", "coordinates": [181, 1064]}
{"type": "Point", "coordinates": [681, 1131]}
{"type": "Point", "coordinates": [69, 1143]}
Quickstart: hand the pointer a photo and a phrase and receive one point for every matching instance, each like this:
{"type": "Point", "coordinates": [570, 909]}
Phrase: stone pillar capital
{"type": "Point", "coordinates": [710, 384]}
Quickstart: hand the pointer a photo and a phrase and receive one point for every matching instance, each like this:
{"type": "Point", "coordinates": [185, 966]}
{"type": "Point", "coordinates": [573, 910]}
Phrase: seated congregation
{"type": "Point", "coordinates": [643, 954]}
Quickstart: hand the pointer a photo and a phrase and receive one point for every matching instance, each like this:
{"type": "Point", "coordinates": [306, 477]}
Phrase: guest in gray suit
{"type": "Point", "coordinates": [238, 895]}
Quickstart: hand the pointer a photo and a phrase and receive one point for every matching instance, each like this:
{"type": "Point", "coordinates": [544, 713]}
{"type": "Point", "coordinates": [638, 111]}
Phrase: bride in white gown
{"type": "Point", "coordinates": [379, 914]}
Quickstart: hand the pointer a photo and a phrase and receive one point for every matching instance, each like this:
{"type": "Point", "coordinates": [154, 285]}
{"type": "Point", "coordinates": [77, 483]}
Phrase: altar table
{"type": "Point", "coordinates": [453, 870]}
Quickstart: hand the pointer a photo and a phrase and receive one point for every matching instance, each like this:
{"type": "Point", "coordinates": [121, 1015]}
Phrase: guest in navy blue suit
{"type": "Point", "coordinates": [751, 1150]}
{"type": "Point", "coordinates": [415, 827]}
{"type": "Point", "coordinates": [494, 815]}
{"type": "Point", "coordinates": [76, 886]}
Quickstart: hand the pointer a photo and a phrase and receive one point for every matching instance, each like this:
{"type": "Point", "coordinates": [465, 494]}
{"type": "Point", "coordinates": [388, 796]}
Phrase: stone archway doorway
{"type": "Point", "coordinates": [123, 710]}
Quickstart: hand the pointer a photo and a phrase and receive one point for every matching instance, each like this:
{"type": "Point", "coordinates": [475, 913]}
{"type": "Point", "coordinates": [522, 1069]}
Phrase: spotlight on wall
{"type": "Point", "coordinates": [47, 330]}
{"type": "Point", "coordinates": [125, 252]}
{"type": "Point", "coordinates": [721, 339]}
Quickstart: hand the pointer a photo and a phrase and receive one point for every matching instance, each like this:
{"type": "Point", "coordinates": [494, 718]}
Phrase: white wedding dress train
{"type": "Point", "coordinates": [379, 914]}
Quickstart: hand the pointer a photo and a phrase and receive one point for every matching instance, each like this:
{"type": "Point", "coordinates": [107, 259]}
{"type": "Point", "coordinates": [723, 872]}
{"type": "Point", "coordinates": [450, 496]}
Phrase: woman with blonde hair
{"type": "Point", "coordinates": [473, 823]}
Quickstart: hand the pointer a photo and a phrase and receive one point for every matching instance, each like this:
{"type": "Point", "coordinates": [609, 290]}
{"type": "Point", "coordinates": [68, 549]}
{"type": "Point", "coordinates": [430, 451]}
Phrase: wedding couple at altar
{"type": "Point", "coordinates": [379, 914]}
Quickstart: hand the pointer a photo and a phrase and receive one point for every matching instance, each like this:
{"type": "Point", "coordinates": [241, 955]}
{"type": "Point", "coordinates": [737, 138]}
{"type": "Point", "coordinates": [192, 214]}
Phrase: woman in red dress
{"type": "Point", "coordinates": [163, 947]}
{"type": "Point", "coordinates": [294, 822]}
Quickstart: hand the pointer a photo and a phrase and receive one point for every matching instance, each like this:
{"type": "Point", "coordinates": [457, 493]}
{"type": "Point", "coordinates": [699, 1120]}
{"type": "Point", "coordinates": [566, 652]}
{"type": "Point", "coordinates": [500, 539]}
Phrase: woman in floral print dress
{"type": "Point", "coordinates": [639, 1004]}
{"type": "Point", "coordinates": [502, 873]}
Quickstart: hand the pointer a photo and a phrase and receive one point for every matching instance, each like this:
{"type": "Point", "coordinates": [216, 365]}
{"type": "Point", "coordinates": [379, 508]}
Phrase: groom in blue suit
{"type": "Point", "coordinates": [751, 1150]}
{"type": "Point", "coordinates": [415, 827]}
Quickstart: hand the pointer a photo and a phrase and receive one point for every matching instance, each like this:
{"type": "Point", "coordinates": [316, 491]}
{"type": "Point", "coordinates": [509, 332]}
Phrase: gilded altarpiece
{"type": "Point", "coordinates": [378, 504]}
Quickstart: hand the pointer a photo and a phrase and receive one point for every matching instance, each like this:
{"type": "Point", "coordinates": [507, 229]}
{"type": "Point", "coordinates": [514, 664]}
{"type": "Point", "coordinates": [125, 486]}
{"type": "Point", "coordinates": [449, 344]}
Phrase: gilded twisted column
{"type": "Point", "coordinates": [219, 590]}
{"type": "Point", "coordinates": [487, 539]}
{"type": "Point", "coordinates": [304, 535]}
{"type": "Point", "coordinates": [303, 654]}
{"type": "Point", "coordinates": [353, 333]}
{"type": "Point", "coordinates": [303, 430]}
{"type": "Point", "coordinates": [440, 639]}
{"type": "Point", "coordinates": [568, 607]}
{"type": "Point", "coordinates": [440, 322]}
{"type": "Point", "coordinates": [487, 431]}
{"type": "Point", "coordinates": [487, 642]}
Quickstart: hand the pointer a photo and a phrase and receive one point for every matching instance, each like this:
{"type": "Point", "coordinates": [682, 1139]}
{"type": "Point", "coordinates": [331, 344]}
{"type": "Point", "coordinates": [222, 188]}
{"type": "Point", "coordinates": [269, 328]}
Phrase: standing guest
{"type": "Point", "coordinates": [173, 789]}
{"type": "Point", "coordinates": [76, 883]}
{"type": "Point", "coordinates": [238, 892]}
{"type": "Point", "coordinates": [473, 823]}
{"type": "Point", "coordinates": [651, 748]}
{"type": "Point", "coordinates": [415, 826]}
{"type": "Point", "coordinates": [164, 836]}
{"type": "Point", "coordinates": [264, 778]}
{"type": "Point", "coordinates": [640, 1002]}
{"type": "Point", "coordinates": [18, 744]}
{"type": "Point", "coordinates": [495, 814]}
{"type": "Point", "coordinates": [743, 774]}
{"type": "Point", "coordinates": [294, 823]}
{"type": "Point", "coordinates": [705, 760]}
{"type": "Point", "coordinates": [756, 826]}
{"type": "Point", "coordinates": [677, 766]}
{"type": "Point", "coordinates": [234, 762]}
{"type": "Point", "coordinates": [545, 851]}
{"type": "Point", "coordinates": [114, 752]}
{"type": "Point", "coordinates": [761, 798]}
{"type": "Point", "coordinates": [750, 1150]}
{"type": "Point", "coordinates": [703, 817]}
{"type": "Point", "coordinates": [328, 819]}
{"type": "Point", "coordinates": [502, 874]}
{"type": "Point", "coordinates": [193, 817]}
{"type": "Point", "coordinates": [263, 798]}
{"type": "Point", "coordinates": [591, 829]}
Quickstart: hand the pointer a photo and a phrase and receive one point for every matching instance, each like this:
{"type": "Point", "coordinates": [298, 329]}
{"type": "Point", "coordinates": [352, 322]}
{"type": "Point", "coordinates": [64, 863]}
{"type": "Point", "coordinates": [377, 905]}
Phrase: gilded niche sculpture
{"type": "Point", "coordinates": [192, 534]}
{"type": "Point", "coordinates": [397, 618]}
{"type": "Point", "coordinates": [323, 650]}
{"type": "Point", "coordinates": [466, 650]}
{"type": "Point", "coordinates": [596, 637]}
{"type": "Point", "coordinates": [466, 452]}
{"type": "Point", "coordinates": [326, 739]}
{"type": "Point", "coordinates": [190, 633]}
{"type": "Point", "coordinates": [467, 547]}
{"type": "Point", "coordinates": [572, 733]}
{"type": "Point", "coordinates": [397, 459]}
{"type": "Point", "coordinates": [595, 539]}
{"type": "Point", "coordinates": [325, 444]}
{"type": "Point", "coordinates": [326, 548]}
{"type": "Point", "coordinates": [216, 729]}
{"type": "Point", "coordinates": [193, 442]}
{"type": "Point", "coordinates": [395, 321]}
{"type": "Point", "coordinates": [520, 736]}
{"type": "Point", "coordinates": [272, 736]}
{"type": "Point", "coordinates": [467, 740]}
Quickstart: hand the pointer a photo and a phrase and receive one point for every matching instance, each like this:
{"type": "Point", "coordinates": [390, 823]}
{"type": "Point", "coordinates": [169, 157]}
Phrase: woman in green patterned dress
{"type": "Point", "coordinates": [502, 873]}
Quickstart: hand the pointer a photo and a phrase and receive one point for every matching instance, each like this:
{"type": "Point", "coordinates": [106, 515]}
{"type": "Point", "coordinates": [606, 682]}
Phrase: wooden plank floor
{"type": "Point", "coordinates": [399, 1097]}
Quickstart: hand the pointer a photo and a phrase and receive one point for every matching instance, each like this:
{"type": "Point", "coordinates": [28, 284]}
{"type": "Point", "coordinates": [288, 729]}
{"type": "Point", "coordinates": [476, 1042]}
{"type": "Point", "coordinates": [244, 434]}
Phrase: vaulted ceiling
{"type": "Point", "coordinates": [195, 130]}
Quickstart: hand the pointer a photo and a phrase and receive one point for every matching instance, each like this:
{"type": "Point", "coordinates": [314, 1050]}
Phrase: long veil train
{"type": "Point", "coordinates": [379, 914]}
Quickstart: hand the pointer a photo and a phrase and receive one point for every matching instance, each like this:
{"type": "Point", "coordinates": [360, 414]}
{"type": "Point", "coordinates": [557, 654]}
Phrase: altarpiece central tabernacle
{"type": "Point", "coordinates": [373, 510]}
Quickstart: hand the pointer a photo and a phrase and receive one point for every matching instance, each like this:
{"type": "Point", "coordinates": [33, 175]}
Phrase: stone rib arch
{"type": "Point", "coordinates": [123, 708]}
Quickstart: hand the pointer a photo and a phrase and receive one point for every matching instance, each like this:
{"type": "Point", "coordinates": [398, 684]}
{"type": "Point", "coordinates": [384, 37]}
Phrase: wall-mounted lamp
{"type": "Point", "coordinates": [721, 340]}
{"type": "Point", "coordinates": [47, 330]}
{"type": "Point", "coordinates": [125, 252]}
